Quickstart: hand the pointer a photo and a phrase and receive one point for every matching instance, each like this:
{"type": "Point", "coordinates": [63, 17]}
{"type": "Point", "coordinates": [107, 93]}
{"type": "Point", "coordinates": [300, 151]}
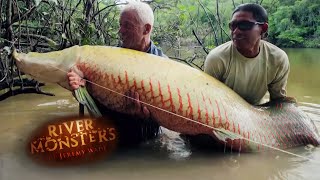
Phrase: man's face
{"type": "Point", "coordinates": [131, 30]}
{"type": "Point", "coordinates": [245, 31]}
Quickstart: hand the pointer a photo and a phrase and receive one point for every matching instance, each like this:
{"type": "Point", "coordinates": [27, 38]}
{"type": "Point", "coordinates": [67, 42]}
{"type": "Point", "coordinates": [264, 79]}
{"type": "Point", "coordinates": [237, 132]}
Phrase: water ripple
{"type": "Point", "coordinates": [312, 109]}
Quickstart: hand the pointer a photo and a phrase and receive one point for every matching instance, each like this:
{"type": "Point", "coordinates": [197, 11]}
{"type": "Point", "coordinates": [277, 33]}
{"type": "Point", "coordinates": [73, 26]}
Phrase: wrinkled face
{"type": "Point", "coordinates": [245, 30]}
{"type": "Point", "coordinates": [131, 30]}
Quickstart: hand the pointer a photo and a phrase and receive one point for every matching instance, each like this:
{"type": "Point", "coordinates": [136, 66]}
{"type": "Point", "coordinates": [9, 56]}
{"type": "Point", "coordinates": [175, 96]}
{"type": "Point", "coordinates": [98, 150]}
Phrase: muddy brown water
{"type": "Point", "coordinates": [167, 157]}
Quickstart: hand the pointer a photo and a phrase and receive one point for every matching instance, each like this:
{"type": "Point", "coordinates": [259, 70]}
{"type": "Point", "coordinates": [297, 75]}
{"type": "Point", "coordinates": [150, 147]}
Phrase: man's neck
{"type": "Point", "coordinates": [146, 45]}
{"type": "Point", "coordinates": [251, 53]}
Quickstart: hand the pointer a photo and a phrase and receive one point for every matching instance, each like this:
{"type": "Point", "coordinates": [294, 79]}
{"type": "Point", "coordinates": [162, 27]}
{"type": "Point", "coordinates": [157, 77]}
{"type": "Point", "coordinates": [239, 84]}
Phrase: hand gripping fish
{"type": "Point", "coordinates": [179, 97]}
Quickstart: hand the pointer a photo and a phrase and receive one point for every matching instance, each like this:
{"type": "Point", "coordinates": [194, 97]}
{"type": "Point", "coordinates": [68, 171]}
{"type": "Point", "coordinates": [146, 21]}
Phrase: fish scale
{"type": "Point", "coordinates": [178, 97]}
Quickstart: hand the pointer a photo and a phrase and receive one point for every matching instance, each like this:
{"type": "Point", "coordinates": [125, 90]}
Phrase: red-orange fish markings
{"type": "Point", "coordinates": [278, 137]}
{"type": "Point", "coordinates": [173, 108]}
{"type": "Point", "coordinates": [142, 87]}
{"type": "Point", "coordinates": [180, 110]}
{"type": "Point", "coordinates": [265, 126]}
{"type": "Point", "coordinates": [219, 114]}
{"type": "Point", "coordinates": [151, 88]}
{"type": "Point", "coordinates": [213, 115]}
{"type": "Point", "coordinates": [281, 134]}
{"type": "Point", "coordinates": [199, 112]}
{"type": "Point", "coordinates": [248, 135]}
{"type": "Point", "coordinates": [190, 109]}
{"type": "Point", "coordinates": [114, 83]}
{"type": "Point", "coordinates": [135, 84]}
{"type": "Point", "coordinates": [161, 95]}
{"type": "Point", "coordinates": [265, 139]}
{"type": "Point", "coordinates": [262, 147]}
{"type": "Point", "coordinates": [285, 130]}
{"type": "Point", "coordinates": [206, 109]}
{"type": "Point", "coordinates": [239, 131]}
{"type": "Point", "coordinates": [310, 139]}
{"type": "Point", "coordinates": [244, 137]}
{"type": "Point", "coordinates": [127, 79]}
{"type": "Point", "coordinates": [227, 124]}
{"type": "Point", "coordinates": [119, 80]}
{"type": "Point", "coordinates": [233, 127]}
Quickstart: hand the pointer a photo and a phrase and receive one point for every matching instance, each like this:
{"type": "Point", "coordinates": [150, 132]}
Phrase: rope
{"type": "Point", "coordinates": [200, 123]}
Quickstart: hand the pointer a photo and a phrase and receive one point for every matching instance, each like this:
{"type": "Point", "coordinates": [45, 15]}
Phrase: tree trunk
{"type": "Point", "coordinates": [219, 22]}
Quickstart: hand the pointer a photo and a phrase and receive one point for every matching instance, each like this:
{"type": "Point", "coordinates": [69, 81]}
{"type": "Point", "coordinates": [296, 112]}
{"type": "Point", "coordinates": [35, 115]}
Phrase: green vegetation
{"type": "Point", "coordinates": [56, 24]}
{"type": "Point", "coordinates": [292, 23]}
{"type": "Point", "coordinates": [185, 29]}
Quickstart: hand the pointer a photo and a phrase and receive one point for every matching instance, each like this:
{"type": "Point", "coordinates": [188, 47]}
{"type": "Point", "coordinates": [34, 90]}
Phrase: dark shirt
{"type": "Point", "coordinates": [155, 50]}
{"type": "Point", "coordinates": [132, 131]}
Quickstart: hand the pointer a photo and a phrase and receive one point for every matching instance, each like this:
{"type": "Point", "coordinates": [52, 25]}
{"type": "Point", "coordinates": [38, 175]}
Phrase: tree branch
{"type": "Point", "coordinates": [16, 18]}
{"type": "Point", "coordinates": [211, 24]}
{"type": "Point", "coordinates": [50, 41]}
{"type": "Point", "coordinates": [105, 9]}
{"type": "Point", "coordinates": [199, 41]}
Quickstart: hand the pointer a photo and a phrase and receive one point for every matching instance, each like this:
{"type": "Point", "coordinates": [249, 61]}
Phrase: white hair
{"type": "Point", "coordinates": [144, 11]}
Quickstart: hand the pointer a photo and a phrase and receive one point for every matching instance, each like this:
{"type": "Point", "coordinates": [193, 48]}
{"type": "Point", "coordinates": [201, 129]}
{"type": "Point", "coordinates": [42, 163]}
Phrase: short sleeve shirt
{"type": "Point", "coordinates": [251, 78]}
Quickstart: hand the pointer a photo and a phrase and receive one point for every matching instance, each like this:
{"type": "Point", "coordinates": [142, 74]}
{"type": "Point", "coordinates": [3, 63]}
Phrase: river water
{"type": "Point", "coordinates": [167, 156]}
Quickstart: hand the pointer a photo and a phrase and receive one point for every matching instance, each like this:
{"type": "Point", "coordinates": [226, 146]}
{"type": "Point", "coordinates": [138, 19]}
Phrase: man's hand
{"type": "Point", "coordinates": [280, 100]}
{"type": "Point", "coordinates": [135, 107]}
{"type": "Point", "coordinates": [75, 81]}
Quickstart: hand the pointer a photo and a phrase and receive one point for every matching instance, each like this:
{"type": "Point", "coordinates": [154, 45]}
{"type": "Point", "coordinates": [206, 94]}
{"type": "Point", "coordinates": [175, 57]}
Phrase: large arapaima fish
{"type": "Point", "coordinates": [179, 97]}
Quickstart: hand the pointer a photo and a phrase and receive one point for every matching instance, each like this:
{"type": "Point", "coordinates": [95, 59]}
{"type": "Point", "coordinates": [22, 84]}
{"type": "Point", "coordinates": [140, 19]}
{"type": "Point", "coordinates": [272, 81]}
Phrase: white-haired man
{"type": "Point", "coordinates": [136, 24]}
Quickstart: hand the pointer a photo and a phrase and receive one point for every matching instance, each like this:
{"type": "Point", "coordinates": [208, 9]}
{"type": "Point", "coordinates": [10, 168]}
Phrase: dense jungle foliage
{"type": "Point", "coordinates": [198, 25]}
{"type": "Point", "coordinates": [56, 24]}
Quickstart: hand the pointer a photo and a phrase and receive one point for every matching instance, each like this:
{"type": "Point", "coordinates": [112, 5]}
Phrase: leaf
{"type": "Point", "coordinates": [6, 48]}
{"type": "Point", "coordinates": [54, 1]}
{"type": "Point", "coordinates": [37, 2]}
{"type": "Point", "coordinates": [52, 45]}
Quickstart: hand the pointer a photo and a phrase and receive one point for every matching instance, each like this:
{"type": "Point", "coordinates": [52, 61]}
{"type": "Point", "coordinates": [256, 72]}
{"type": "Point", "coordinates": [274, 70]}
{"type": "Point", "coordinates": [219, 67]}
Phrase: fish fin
{"type": "Point", "coordinates": [84, 98]}
{"type": "Point", "coordinates": [223, 134]}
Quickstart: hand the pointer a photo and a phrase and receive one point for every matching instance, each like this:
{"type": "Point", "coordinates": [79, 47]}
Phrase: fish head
{"type": "Point", "coordinates": [51, 67]}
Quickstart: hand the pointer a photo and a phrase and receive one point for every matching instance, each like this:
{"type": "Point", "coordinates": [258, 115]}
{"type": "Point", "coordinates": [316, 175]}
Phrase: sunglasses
{"type": "Point", "coordinates": [243, 25]}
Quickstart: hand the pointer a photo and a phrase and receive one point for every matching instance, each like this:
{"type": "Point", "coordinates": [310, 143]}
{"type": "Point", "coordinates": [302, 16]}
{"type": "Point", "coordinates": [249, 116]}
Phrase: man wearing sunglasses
{"type": "Point", "coordinates": [247, 64]}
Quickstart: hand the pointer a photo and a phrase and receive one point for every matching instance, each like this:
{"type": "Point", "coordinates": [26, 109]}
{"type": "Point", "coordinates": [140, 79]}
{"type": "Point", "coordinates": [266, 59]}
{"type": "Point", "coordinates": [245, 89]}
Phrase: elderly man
{"type": "Point", "coordinates": [247, 64]}
{"type": "Point", "coordinates": [136, 24]}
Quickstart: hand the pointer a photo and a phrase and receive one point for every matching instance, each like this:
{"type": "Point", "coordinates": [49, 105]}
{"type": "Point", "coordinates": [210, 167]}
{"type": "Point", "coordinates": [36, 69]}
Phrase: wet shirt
{"type": "Point", "coordinates": [155, 50]}
{"type": "Point", "coordinates": [251, 78]}
{"type": "Point", "coordinates": [132, 131]}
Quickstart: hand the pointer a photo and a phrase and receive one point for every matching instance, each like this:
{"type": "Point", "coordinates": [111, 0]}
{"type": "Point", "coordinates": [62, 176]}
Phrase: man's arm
{"type": "Point", "coordinates": [134, 107]}
{"type": "Point", "coordinates": [277, 88]}
{"type": "Point", "coordinates": [214, 65]}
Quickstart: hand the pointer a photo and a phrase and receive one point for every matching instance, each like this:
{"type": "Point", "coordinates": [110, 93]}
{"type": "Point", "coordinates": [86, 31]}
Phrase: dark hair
{"type": "Point", "coordinates": [258, 12]}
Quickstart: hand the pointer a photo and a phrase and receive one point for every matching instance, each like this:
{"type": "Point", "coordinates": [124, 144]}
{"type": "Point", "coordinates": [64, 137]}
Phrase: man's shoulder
{"type": "Point", "coordinates": [273, 48]}
{"type": "Point", "coordinates": [220, 52]}
{"type": "Point", "coordinates": [156, 51]}
{"type": "Point", "coordinates": [274, 52]}
{"type": "Point", "coordinates": [223, 48]}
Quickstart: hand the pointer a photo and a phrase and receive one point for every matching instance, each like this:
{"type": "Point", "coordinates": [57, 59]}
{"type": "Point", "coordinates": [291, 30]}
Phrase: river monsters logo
{"type": "Point", "coordinates": [72, 140]}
